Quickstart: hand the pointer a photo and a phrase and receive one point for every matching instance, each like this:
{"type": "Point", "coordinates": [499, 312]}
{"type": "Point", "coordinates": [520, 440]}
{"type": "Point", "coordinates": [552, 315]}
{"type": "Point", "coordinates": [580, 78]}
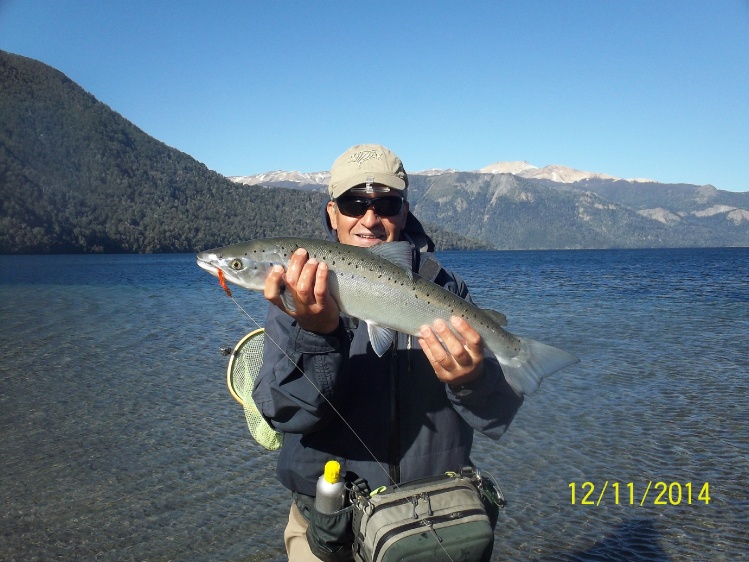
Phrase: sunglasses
{"type": "Point", "coordinates": [358, 206]}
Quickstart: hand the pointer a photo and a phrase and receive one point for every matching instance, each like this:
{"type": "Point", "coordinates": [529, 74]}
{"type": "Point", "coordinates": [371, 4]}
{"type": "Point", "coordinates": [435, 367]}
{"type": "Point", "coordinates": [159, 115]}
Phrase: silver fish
{"type": "Point", "coordinates": [377, 286]}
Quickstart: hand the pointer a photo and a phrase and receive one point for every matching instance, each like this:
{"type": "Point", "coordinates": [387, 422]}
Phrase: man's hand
{"type": "Point", "coordinates": [461, 359]}
{"type": "Point", "coordinates": [306, 280]}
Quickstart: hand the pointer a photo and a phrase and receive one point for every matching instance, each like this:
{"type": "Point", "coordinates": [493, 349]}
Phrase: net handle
{"type": "Point", "coordinates": [234, 354]}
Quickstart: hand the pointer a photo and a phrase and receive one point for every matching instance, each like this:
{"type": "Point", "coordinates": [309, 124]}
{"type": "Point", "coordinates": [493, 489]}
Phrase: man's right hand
{"type": "Point", "coordinates": [306, 280]}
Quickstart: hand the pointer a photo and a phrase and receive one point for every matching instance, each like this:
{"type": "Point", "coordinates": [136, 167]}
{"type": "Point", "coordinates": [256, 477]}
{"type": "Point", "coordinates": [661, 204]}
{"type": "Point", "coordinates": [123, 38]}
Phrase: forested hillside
{"type": "Point", "coordinates": [77, 177]}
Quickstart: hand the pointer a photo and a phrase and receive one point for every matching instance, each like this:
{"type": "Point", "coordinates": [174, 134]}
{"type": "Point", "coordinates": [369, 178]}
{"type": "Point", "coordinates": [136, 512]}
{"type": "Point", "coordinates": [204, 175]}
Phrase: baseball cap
{"type": "Point", "coordinates": [367, 164]}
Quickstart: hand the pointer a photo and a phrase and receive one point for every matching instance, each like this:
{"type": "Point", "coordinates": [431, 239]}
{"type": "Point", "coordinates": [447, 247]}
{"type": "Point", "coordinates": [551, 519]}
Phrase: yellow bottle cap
{"type": "Point", "coordinates": [332, 472]}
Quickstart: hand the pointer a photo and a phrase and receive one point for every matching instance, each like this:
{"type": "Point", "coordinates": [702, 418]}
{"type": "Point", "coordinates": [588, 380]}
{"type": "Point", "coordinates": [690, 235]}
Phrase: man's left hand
{"type": "Point", "coordinates": [459, 357]}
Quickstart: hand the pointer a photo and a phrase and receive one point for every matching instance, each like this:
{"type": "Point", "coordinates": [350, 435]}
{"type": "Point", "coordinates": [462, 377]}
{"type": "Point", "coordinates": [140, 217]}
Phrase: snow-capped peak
{"type": "Point", "coordinates": [562, 174]}
{"type": "Point", "coordinates": [320, 178]}
{"type": "Point", "coordinates": [553, 172]}
{"type": "Point", "coordinates": [434, 172]}
{"type": "Point", "coordinates": [516, 168]}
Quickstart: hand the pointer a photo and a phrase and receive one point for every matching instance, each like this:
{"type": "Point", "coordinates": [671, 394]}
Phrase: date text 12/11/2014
{"type": "Point", "coordinates": [660, 493]}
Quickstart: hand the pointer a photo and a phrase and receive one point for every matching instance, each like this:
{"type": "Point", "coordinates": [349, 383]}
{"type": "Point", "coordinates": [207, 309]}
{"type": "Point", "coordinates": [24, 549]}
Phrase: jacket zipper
{"type": "Point", "coordinates": [394, 452]}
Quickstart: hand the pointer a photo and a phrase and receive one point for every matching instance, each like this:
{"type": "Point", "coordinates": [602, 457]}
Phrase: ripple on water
{"type": "Point", "coordinates": [120, 441]}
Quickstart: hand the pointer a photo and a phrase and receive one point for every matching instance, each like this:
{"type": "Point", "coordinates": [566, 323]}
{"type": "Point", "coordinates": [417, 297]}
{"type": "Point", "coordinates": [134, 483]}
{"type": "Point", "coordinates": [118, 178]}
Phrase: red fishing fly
{"type": "Point", "coordinates": [222, 282]}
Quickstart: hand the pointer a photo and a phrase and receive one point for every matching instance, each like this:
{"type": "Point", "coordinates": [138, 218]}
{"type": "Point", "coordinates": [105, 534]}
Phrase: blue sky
{"type": "Point", "coordinates": [636, 88]}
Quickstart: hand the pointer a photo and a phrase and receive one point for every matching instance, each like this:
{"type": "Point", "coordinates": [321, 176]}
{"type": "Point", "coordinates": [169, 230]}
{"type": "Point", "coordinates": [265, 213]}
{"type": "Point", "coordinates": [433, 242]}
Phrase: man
{"type": "Point", "coordinates": [406, 415]}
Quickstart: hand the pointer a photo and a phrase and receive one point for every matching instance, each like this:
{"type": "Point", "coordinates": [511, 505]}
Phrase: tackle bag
{"type": "Point", "coordinates": [449, 517]}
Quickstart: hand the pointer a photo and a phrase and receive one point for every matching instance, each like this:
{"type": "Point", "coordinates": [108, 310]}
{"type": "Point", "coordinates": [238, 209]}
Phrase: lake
{"type": "Point", "coordinates": [121, 442]}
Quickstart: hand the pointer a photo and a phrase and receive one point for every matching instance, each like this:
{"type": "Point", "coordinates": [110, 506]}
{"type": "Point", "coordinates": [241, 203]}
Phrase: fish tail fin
{"type": "Point", "coordinates": [534, 363]}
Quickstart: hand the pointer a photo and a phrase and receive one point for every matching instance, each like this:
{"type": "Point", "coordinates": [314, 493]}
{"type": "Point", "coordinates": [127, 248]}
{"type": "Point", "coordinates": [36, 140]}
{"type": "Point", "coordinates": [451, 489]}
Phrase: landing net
{"type": "Point", "coordinates": [244, 365]}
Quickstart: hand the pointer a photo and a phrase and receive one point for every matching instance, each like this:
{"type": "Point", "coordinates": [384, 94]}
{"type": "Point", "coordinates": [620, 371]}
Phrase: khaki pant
{"type": "Point", "coordinates": [295, 538]}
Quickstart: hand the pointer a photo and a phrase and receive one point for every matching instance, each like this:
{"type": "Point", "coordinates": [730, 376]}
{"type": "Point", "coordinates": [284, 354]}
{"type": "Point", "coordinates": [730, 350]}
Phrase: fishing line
{"type": "Point", "coordinates": [332, 406]}
{"type": "Point", "coordinates": [384, 470]}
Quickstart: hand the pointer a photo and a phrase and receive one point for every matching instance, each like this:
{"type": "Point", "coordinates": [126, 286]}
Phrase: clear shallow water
{"type": "Point", "coordinates": [119, 440]}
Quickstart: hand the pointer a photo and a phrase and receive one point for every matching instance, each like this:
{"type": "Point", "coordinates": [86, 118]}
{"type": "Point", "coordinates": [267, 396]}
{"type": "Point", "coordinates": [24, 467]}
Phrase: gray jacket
{"type": "Point", "coordinates": [391, 419]}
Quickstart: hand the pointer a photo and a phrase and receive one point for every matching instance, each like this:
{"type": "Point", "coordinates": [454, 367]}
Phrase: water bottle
{"type": "Point", "coordinates": [330, 495]}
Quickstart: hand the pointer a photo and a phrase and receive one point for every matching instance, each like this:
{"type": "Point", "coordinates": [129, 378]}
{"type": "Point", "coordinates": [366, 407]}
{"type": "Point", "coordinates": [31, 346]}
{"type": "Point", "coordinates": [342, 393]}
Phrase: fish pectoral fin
{"type": "Point", "coordinates": [398, 253]}
{"type": "Point", "coordinates": [380, 338]}
{"type": "Point", "coordinates": [287, 299]}
{"type": "Point", "coordinates": [497, 317]}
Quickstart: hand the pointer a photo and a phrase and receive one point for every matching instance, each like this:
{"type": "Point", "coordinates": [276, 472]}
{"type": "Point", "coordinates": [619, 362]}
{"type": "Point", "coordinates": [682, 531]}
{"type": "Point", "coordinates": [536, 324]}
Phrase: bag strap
{"type": "Point", "coordinates": [359, 487]}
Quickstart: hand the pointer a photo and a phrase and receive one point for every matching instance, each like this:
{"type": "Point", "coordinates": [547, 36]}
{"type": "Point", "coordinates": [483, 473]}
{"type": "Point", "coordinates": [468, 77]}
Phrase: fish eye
{"type": "Point", "coordinates": [236, 264]}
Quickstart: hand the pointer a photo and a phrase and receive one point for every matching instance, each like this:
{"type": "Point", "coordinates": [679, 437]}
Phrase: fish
{"type": "Point", "coordinates": [378, 286]}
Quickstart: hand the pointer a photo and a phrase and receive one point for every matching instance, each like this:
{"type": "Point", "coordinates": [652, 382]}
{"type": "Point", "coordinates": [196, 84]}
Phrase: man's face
{"type": "Point", "coordinates": [369, 229]}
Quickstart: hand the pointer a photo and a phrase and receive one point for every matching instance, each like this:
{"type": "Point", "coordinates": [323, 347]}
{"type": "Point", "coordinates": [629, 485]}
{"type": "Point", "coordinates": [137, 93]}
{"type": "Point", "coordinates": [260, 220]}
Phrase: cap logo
{"type": "Point", "coordinates": [361, 157]}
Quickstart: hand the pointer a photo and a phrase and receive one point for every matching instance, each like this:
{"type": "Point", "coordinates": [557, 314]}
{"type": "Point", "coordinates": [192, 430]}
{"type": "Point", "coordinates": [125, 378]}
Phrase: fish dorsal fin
{"type": "Point", "coordinates": [380, 338]}
{"type": "Point", "coordinates": [398, 253]}
{"type": "Point", "coordinates": [497, 317]}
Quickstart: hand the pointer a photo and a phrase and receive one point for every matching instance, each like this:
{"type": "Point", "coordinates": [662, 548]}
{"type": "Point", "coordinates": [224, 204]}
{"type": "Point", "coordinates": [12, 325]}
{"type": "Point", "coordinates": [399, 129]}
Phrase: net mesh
{"type": "Point", "coordinates": [244, 366]}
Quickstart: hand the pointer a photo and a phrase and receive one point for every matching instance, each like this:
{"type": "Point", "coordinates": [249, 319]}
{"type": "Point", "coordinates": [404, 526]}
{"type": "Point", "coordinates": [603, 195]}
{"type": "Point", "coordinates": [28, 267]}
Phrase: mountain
{"type": "Point", "coordinates": [523, 206]}
{"type": "Point", "coordinates": [76, 176]}
{"type": "Point", "coordinates": [319, 180]}
{"type": "Point", "coordinates": [509, 212]}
